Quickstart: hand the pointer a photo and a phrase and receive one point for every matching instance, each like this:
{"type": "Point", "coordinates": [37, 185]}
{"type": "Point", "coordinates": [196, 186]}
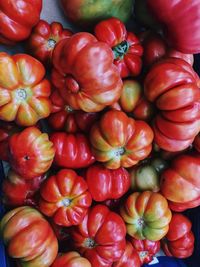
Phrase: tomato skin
{"type": "Point", "coordinates": [177, 18]}
{"type": "Point", "coordinates": [119, 141]}
{"type": "Point", "coordinates": [30, 152]}
{"type": "Point", "coordinates": [197, 142]}
{"type": "Point", "coordinates": [72, 150]}
{"type": "Point", "coordinates": [145, 248]}
{"type": "Point", "coordinates": [24, 92]}
{"type": "Point", "coordinates": [180, 183]}
{"type": "Point", "coordinates": [18, 191]}
{"type": "Point", "coordinates": [129, 258]}
{"type": "Point", "coordinates": [100, 237]}
{"type": "Point", "coordinates": [146, 215]}
{"type": "Point", "coordinates": [179, 241]}
{"type": "Point", "coordinates": [71, 259]}
{"type": "Point", "coordinates": [29, 237]}
{"type": "Point", "coordinates": [63, 117]}
{"type": "Point", "coordinates": [105, 184]}
{"type": "Point", "coordinates": [43, 39]}
{"type": "Point", "coordinates": [17, 19]}
{"type": "Point", "coordinates": [174, 87]}
{"type": "Point", "coordinates": [65, 197]}
{"type": "Point", "coordinates": [80, 82]}
{"type": "Point", "coordinates": [125, 45]}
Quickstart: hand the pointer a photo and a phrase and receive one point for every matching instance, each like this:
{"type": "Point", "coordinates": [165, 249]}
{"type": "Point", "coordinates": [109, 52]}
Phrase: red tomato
{"type": "Point", "coordinates": [18, 191]}
{"type": "Point", "coordinates": [17, 19]}
{"type": "Point", "coordinates": [126, 46]}
{"type": "Point", "coordinates": [31, 152]}
{"type": "Point", "coordinates": [130, 258]}
{"type": "Point", "coordinates": [44, 38]}
{"type": "Point", "coordinates": [63, 117]}
{"type": "Point", "coordinates": [29, 237]}
{"type": "Point", "coordinates": [72, 150]}
{"type": "Point", "coordinates": [145, 248]}
{"type": "Point", "coordinates": [24, 92]}
{"type": "Point", "coordinates": [65, 197]}
{"type": "Point", "coordinates": [179, 241]}
{"type": "Point", "coordinates": [84, 73]}
{"type": "Point", "coordinates": [119, 141]}
{"type": "Point", "coordinates": [100, 237]}
{"type": "Point", "coordinates": [174, 86]}
{"type": "Point", "coordinates": [105, 184]}
{"type": "Point", "coordinates": [71, 259]}
{"type": "Point", "coordinates": [180, 183]}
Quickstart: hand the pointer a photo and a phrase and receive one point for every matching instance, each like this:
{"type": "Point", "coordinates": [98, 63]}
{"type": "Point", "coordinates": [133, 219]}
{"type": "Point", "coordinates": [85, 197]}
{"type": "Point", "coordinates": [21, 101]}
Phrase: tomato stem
{"type": "Point", "coordinates": [120, 50]}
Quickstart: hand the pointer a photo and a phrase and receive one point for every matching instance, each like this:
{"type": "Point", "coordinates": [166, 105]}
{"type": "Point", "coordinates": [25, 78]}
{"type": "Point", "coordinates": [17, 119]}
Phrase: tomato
{"type": "Point", "coordinates": [145, 248]}
{"type": "Point", "coordinates": [65, 197]}
{"type": "Point", "coordinates": [17, 19]}
{"type": "Point", "coordinates": [44, 38]}
{"type": "Point", "coordinates": [105, 184]}
{"type": "Point", "coordinates": [119, 141]}
{"type": "Point", "coordinates": [71, 259]}
{"type": "Point", "coordinates": [179, 241]}
{"type": "Point", "coordinates": [84, 73]}
{"type": "Point", "coordinates": [197, 142]}
{"type": "Point", "coordinates": [156, 48]}
{"type": "Point", "coordinates": [24, 92]}
{"type": "Point", "coordinates": [29, 237]}
{"type": "Point", "coordinates": [86, 13]}
{"type": "Point", "coordinates": [174, 86]}
{"type": "Point", "coordinates": [146, 215]}
{"type": "Point", "coordinates": [180, 28]}
{"type": "Point", "coordinates": [180, 183]}
{"type": "Point", "coordinates": [126, 46]}
{"type": "Point", "coordinates": [129, 258]}
{"type": "Point", "coordinates": [31, 152]}
{"type": "Point", "coordinates": [100, 237]}
{"type": "Point", "coordinates": [63, 117]}
{"type": "Point", "coordinates": [72, 150]}
{"type": "Point", "coordinates": [17, 191]}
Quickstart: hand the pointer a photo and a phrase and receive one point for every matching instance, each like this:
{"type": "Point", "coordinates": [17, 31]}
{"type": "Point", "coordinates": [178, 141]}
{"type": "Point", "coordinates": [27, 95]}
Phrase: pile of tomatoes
{"type": "Point", "coordinates": [104, 152]}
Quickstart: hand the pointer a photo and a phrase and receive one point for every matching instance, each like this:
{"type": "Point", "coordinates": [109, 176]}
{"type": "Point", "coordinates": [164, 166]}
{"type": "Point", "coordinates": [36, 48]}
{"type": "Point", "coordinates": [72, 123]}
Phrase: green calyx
{"type": "Point", "coordinates": [120, 50]}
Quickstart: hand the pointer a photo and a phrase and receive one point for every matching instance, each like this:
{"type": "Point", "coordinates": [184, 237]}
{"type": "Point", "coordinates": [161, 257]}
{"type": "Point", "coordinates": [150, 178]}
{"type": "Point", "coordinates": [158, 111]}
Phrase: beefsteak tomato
{"type": "Point", "coordinates": [145, 248]}
{"type": "Point", "coordinates": [31, 152]}
{"type": "Point", "coordinates": [119, 141]}
{"type": "Point", "coordinates": [180, 22]}
{"type": "Point", "coordinates": [24, 93]}
{"type": "Point", "coordinates": [29, 237]}
{"type": "Point", "coordinates": [100, 237]}
{"type": "Point", "coordinates": [179, 241]}
{"type": "Point", "coordinates": [147, 215]}
{"type": "Point", "coordinates": [65, 197]}
{"type": "Point", "coordinates": [125, 45]}
{"type": "Point", "coordinates": [180, 183]}
{"type": "Point", "coordinates": [105, 184]}
{"type": "Point", "coordinates": [71, 259]}
{"type": "Point", "coordinates": [17, 18]}
{"type": "Point", "coordinates": [72, 150]}
{"type": "Point", "coordinates": [44, 38]}
{"type": "Point", "coordinates": [84, 73]}
{"type": "Point", "coordinates": [174, 86]}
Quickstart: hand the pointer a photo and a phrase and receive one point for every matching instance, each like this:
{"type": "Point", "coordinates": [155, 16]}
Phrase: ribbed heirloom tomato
{"type": "Point", "coordinates": [44, 38]}
{"type": "Point", "coordinates": [65, 197]}
{"type": "Point", "coordinates": [31, 152]}
{"type": "Point", "coordinates": [175, 88]}
{"type": "Point", "coordinates": [84, 73]}
{"type": "Point", "coordinates": [147, 215]}
{"type": "Point", "coordinates": [71, 259]}
{"type": "Point", "coordinates": [120, 141]}
{"type": "Point", "coordinates": [24, 93]}
{"type": "Point", "coordinates": [100, 237]}
{"type": "Point", "coordinates": [125, 45]}
{"type": "Point", "coordinates": [17, 18]}
{"type": "Point", "coordinates": [29, 237]}
{"type": "Point", "coordinates": [179, 241]}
